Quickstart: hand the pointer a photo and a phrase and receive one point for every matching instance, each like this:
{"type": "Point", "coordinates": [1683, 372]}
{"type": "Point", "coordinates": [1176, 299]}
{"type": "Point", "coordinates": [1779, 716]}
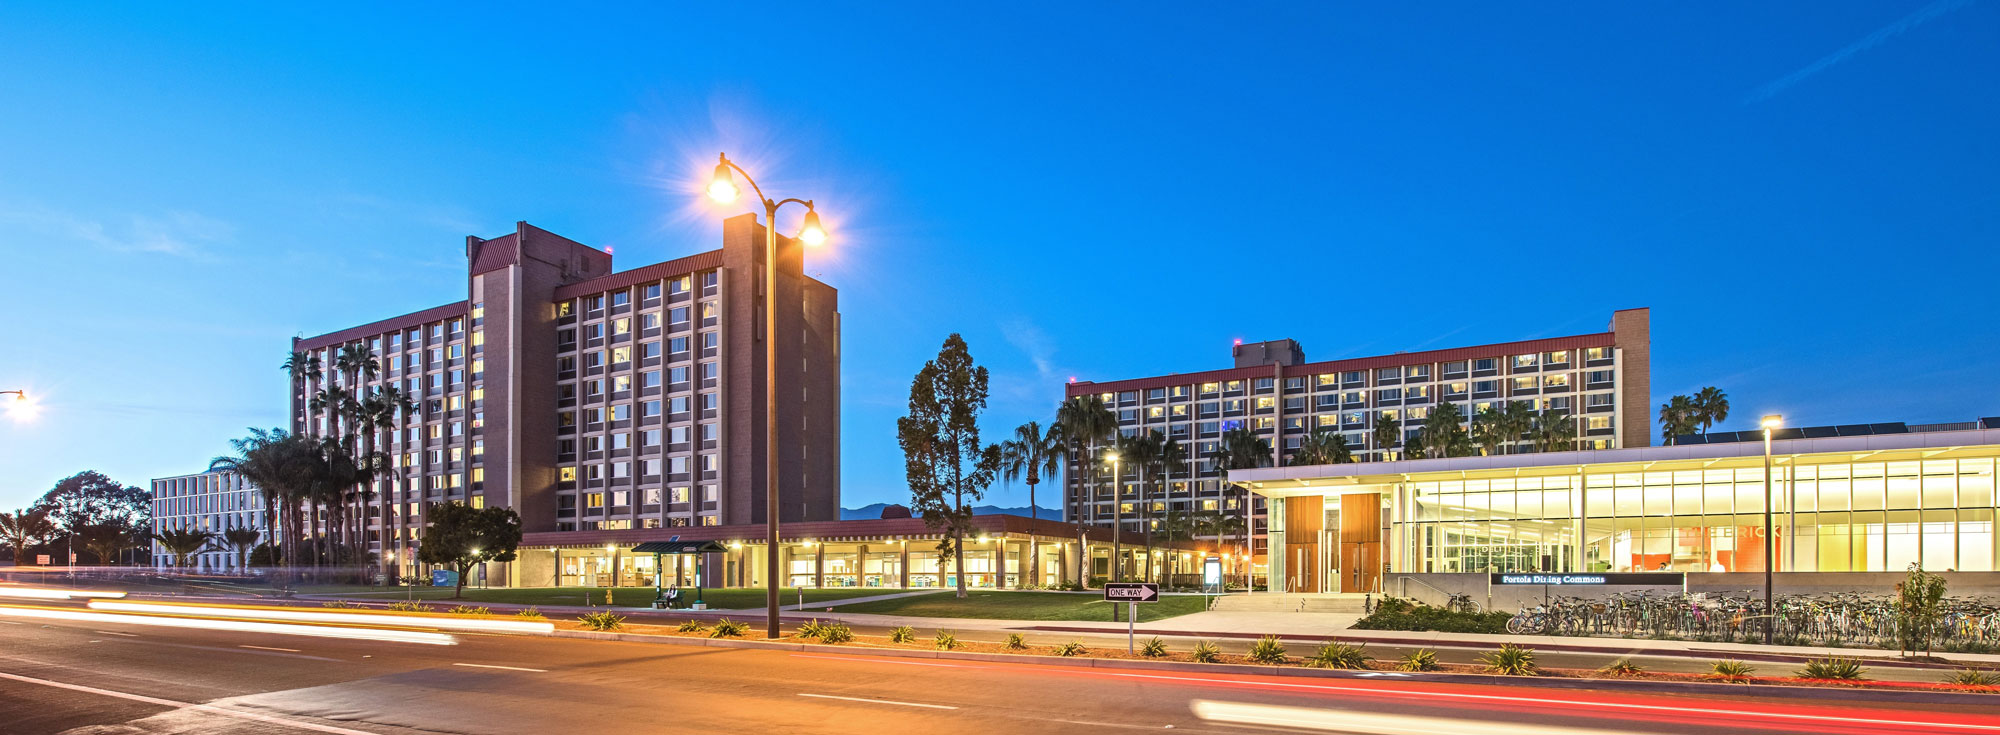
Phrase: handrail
{"type": "Point", "coordinates": [1407, 579]}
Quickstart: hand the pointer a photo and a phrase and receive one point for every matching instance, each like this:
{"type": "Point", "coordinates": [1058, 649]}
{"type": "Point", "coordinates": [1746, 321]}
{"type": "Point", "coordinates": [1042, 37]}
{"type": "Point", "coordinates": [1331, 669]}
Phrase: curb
{"type": "Point", "coordinates": [1661, 687]}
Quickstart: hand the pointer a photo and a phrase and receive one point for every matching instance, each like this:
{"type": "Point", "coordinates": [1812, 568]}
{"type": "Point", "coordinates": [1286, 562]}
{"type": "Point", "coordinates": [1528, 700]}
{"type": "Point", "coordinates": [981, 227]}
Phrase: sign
{"type": "Point", "coordinates": [444, 578]}
{"type": "Point", "coordinates": [42, 559]}
{"type": "Point", "coordinates": [1211, 572]}
{"type": "Point", "coordinates": [1131, 592]}
{"type": "Point", "coordinates": [1638, 579]}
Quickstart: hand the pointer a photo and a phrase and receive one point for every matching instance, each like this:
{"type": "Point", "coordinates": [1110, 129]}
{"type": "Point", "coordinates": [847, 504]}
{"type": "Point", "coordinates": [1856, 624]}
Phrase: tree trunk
{"type": "Point", "coordinates": [958, 559]}
{"type": "Point", "coordinates": [1146, 521]}
{"type": "Point", "coordinates": [1034, 542]}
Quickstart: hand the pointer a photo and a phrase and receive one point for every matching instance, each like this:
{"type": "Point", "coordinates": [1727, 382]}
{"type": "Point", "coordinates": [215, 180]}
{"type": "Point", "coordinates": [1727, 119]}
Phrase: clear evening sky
{"type": "Point", "coordinates": [1807, 195]}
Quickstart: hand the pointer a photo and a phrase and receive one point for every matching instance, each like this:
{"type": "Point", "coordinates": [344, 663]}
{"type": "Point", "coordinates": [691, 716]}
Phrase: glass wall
{"type": "Point", "coordinates": [1830, 516]}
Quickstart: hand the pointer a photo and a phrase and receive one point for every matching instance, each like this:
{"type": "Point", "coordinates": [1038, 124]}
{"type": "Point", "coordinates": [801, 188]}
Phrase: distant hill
{"type": "Point", "coordinates": [874, 510]}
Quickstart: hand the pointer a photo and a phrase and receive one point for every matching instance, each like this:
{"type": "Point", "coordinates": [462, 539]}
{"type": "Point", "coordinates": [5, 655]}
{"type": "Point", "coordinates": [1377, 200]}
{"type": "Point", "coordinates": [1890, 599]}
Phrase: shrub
{"type": "Point", "coordinates": [532, 613]}
{"type": "Point", "coordinates": [1622, 667]}
{"type": "Point", "coordinates": [1206, 653]}
{"type": "Point", "coordinates": [1340, 656]}
{"type": "Point", "coordinates": [1399, 614]}
{"type": "Point", "coordinates": [1835, 668]}
{"type": "Point", "coordinates": [1510, 660]}
{"type": "Point", "coordinates": [409, 606]}
{"type": "Point", "coordinates": [836, 634]}
{"type": "Point", "coordinates": [339, 604]}
{"type": "Point", "coordinates": [902, 634]}
{"type": "Point", "coordinates": [1973, 678]}
{"type": "Point", "coordinates": [1069, 586]}
{"type": "Point", "coordinates": [726, 628]}
{"type": "Point", "coordinates": [1422, 659]}
{"type": "Point", "coordinates": [1267, 650]}
{"type": "Point", "coordinates": [691, 626]}
{"type": "Point", "coordinates": [606, 620]}
{"type": "Point", "coordinates": [946, 640]}
{"type": "Point", "coordinates": [469, 610]}
{"type": "Point", "coordinates": [1072, 648]}
{"type": "Point", "coordinates": [1015, 643]}
{"type": "Point", "coordinates": [1154, 648]}
{"type": "Point", "coordinates": [811, 629]}
{"type": "Point", "coordinates": [1732, 670]}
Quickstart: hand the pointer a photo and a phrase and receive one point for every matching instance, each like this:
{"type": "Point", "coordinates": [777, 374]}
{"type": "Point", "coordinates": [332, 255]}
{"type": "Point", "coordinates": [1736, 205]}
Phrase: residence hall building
{"type": "Point", "coordinates": [1846, 502]}
{"type": "Point", "coordinates": [589, 399]}
{"type": "Point", "coordinates": [208, 501]}
{"type": "Point", "coordinates": [1603, 379]}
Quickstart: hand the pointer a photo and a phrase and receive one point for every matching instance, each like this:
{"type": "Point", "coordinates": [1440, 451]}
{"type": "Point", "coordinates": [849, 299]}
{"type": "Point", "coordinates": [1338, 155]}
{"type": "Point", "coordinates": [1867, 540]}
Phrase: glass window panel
{"type": "Point", "coordinates": [1627, 501]}
{"type": "Point", "coordinates": [1659, 499]}
{"type": "Point", "coordinates": [1803, 554]}
{"type": "Point", "coordinates": [1904, 490]}
{"type": "Point", "coordinates": [1687, 498]}
{"type": "Point", "coordinates": [1939, 546]}
{"type": "Point", "coordinates": [1719, 497]}
{"type": "Point", "coordinates": [1833, 494]}
{"type": "Point", "coordinates": [1903, 540]}
{"type": "Point", "coordinates": [1596, 501]}
{"type": "Point", "coordinates": [1802, 494]}
{"type": "Point", "coordinates": [1975, 483]}
{"type": "Point", "coordinates": [1870, 487]}
{"type": "Point", "coordinates": [1869, 541]}
{"type": "Point", "coordinates": [1975, 540]}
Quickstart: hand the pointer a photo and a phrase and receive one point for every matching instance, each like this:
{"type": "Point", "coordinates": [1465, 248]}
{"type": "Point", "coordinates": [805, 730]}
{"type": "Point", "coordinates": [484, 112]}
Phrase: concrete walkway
{"type": "Point", "coordinates": [822, 604]}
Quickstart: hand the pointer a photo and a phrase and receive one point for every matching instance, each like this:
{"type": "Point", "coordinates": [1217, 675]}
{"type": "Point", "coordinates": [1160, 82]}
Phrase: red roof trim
{"type": "Point", "coordinates": [655, 272]}
{"type": "Point", "coordinates": [1503, 349]}
{"type": "Point", "coordinates": [390, 324]}
{"type": "Point", "coordinates": [913, 528]}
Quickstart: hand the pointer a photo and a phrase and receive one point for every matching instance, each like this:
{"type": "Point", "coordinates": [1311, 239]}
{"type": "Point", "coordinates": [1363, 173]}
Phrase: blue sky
{"type": "Point", "coordinates": [1807, 195]}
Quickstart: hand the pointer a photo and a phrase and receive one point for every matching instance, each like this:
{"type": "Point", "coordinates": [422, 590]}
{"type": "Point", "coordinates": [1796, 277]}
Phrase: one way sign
{"type": "Point", "coordinates": [1131, 592]}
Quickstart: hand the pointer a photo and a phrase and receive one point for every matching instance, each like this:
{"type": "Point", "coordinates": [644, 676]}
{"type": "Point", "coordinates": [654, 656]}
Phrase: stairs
{"type": "Point", "coordinates": [1271, 602]}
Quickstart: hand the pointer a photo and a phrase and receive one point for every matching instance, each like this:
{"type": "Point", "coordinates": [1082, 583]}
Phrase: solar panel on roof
{"type": "Point", "coordinates": [1892, 428]}
{"type": "Point", "coordinates": [1990, 422]}
{"type": "Point", "coordinates": [1821, 432]}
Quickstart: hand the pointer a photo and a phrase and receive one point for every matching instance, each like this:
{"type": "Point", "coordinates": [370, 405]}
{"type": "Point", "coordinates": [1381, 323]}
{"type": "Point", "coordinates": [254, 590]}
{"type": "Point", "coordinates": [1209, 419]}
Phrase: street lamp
{"type": "Point", "coordinates": [722, 188]}
{"type": "Point", "coordinates": [19, 407]}
{"type": "Point", "coordinates": [1770, 424]}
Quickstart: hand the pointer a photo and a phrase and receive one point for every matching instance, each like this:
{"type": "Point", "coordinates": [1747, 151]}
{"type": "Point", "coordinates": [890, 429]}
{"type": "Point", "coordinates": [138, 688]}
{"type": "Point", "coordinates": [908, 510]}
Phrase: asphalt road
{"type": "Point", "coordinates": [115, 678]}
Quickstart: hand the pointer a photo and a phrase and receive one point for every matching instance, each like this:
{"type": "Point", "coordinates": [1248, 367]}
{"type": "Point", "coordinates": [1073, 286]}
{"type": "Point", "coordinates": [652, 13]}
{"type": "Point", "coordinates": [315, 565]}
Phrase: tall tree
{"type": "Point", "coordinates": [384, 409]}
{"type": "Point", "coordinates": [242, 540]}
{"type": "Point", "coordinates": [1034, 454]}
{"type": "Point", "coordinates": [1489, 431]}
{"type": "Point", "coordinates": [285, 468]}
{"type": "Point", "coordinates": [1516, 417]}
{"type": "Point", "coordinates": [1323, 447]}
{"type": "Point", "coordinates": [1678, 417]}
{"type": "Point", "coordinates": [948, 469]}
{"type": "Point", "coordinates": [1388, 434]}
{"type": "Point", "coordinates": [97, 512]}
{"type": "Point", "coordinates": [1711, 407]}
{"type": "Point", "coordinates": [1444, 434]}
{"type": "Point", "coordinates": [24, 528]}
{"type": "Point", "coordinates": [1085, 423]}
{"type": "Point", "coordinates": [1140, 453]}
{"type": "Point", "coordinates": [1241, 449]}
{"type": "Point", "coordinates": [183, 543]}
{"type": "Point", "coordinates": [460, 536]}
{"type": "Point", "coordinates": [1555, 431]}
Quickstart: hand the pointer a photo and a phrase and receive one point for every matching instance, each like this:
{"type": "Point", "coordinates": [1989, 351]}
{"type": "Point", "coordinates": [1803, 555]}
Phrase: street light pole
{"type": "Point", "coordinates": [1117, 520]}
{"type": "Point", "coordinates": [722, 188]}
{"type": "Point", "coordinates": [1770, 423]}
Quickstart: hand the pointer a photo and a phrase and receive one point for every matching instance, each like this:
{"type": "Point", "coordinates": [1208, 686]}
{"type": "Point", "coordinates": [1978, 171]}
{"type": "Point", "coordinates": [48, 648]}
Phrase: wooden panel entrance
{"type": "Point", "coordinates": [1305, 517]}
{"type": "Point", "coordinates": [1360, 542]}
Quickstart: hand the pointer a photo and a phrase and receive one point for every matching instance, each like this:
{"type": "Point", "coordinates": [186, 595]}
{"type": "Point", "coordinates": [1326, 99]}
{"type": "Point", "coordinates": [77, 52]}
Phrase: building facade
{"type": "Point", "coordinates": [209, 501]}
{"type": "Point", "coordinates": [1603, 380]}
{"type": "Point", "coordinates": [1868, 502]}
{"type": "Point", "coordinates": [591, 399]}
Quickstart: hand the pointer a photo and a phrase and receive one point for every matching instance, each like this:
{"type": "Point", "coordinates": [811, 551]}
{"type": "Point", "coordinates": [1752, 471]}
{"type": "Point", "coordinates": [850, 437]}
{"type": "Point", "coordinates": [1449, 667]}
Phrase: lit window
{"type": "Point", "coordinates": [1525, 383]}
{"type": "Point", "coordinates": [621, 326]}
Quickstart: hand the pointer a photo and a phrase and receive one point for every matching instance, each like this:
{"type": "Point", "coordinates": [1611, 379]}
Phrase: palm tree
{"type": "Point", "coordinates": [242, 540]}
{"type": "Point", "coordinates": [1413, 447]}
{"type": "Point", "coordinates": [1140, 453]}
{"type": "Point", "coordinates": [1085, 422]}
{"type": "Point", "coordinates": [24, 528]}
{"type": "Point", "coordinates": [1554, 431]}
{"type": "Point", "coordinates": [1517, 417]}
{"type": "Point", "coordinates": [380, 410]}
{"type": "Point", "coordinates": [1443, 433]}
{"type": "Point", "coordinates": [1322, 447]}
{"type": "Point", "coordinates": [1678, 417]}
{"type": "Point", "coordinates": [1035, 454]}
{"type": "Point", "coordinates": [1489, 431]}
{"type": "Point", "coordinates": [285, 467]}
{"type": "Point", "coordinates": [183, 543]}
{"type": "Point", "coordinates": [1240, 449]}
{"type": "Point", "coordinates": [1171, 460]}
{"type": "Point", "coordinates": [109, 541]}
{"type": "Point", "coordinates": [1711, 407]}
{"type": "Point", "coordinates": [1388, 433]}
{"type": "Point", "coordinates": [1175, 524]}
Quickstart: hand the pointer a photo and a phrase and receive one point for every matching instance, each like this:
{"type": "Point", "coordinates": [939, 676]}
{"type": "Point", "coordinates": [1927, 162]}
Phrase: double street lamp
{"type": "Point", "coordinates": [1770, 424]}
{"type": "Point", "coordinates": [722, 188]}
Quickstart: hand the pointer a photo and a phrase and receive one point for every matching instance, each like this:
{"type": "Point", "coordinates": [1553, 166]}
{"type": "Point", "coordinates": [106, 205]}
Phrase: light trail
{"type": "Point", "coordinates": [1368, 723]}
{"type": "Point", "coordinates": [240, 626]}
{"type": "Point", "coordinates": [52, 593]}
{"type": "Point", "coordinates": [470, 625]}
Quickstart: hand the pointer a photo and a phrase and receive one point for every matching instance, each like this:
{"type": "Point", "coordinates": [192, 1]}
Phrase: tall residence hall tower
{"type": "Point", "coordinates": [1602, 379]}
{"type": "Point", "coordinates": [587, 399]}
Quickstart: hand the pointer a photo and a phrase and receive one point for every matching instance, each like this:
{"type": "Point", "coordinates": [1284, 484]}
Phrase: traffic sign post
{"type": "Point", "coordinates": [1131, 593]}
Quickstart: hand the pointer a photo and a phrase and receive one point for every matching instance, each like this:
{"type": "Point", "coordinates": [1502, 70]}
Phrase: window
{"type": "Point", "coordinates": [1388, 373]}
{"type": "Point", "coordinates": [621, 469]}
{"type": "Point", "coordinates": [1210, 387]}
{"type": "Point", "coordinates": [566, 474]}
{"type": "Point", "coordinates": [621, 412]}
{"type": "Point", "coordinates": [563, 309]}
{"type": "Point", "coordinates": [678, 285]}
{"type": "Point", "coordinates": [649, 438]}
{"type": "Point", "coordinates": [1559, 356]}
{"type": "Point", "coordinates": [1524, 361]}
{"type": "Point", "coordinates": [593, 500]}
{"type": "Point", "coordinates": [621, 440]}
{"type": "Point", "coordinates": [621, 326]}
{"type": "Point", "coordinates": [677, 465]}
{"type": "Point", "coordinates": [652, 349]}
{"type": "Point", "coordinates": [1485, 386]}
{"type": "Point", "coordinates": [621, 355]}
{"type": "Point", "coordinates": [678, 315]}
{"type": "Point", "coordinates": [708, 432]}
{"type": "Point", "coordinates": [593, 359]}
{"type": "Point", "coordinates": [1600, 376]}
{"type": "Point", "coordinates": [1484, 363]}
{"type": "Point", "coordinates": [621, 298]}
{"type": "Point", "coordinates": [1525, 383]}
{"type": "Point", "coordinates": [678, 404]}
{"type": "Point", "coordinates": [1264, 403]}
{"type": "Point", "coordinates": [1597, 353]}
{"type": "Point", "coordinates": [677, 495]}
{"type": "Point", "coordinates": [678, 435]}
{"type": "Point", "coordinates": [652, 290]}
{"type": "Point", "coordinates": [708, 310]}
{"type": "Point", "coordinates": [1558, 380]}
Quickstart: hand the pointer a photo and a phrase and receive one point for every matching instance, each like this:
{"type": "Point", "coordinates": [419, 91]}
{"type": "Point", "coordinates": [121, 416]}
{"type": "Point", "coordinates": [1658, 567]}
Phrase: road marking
{"type": "Point", "coordinates": [877, 701]}
{"type": "Point", "coordinates": [509, 668]}
{"type": "Point", "coordinates": [269, 648]}
{"type": "Point", "coordinates": [208, 708]}
{"type": "Point", "coordinates": [113, 632]}
{"type": "Point", "coordinates": [1369, 723]}
{"type": "Point", "coordinates": [885, 661]}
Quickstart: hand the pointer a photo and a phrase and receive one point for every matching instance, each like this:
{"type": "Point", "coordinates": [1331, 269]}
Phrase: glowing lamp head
{"type": "Point", "coordinates": [812, 234]}
{"type": "Point", "coordinates": [1773, 421]}
{"type": "Point", "coordinates": [722, 187]}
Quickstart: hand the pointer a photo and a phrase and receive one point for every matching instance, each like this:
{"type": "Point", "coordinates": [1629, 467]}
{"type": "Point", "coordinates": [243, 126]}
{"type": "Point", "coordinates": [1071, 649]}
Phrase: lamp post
{"type": "Point", "coordinates": [1770, 423]}
{"type": "Point", "coordinates": [722, 188]}
{"type": "Point", "coordinates": [1117, 519]}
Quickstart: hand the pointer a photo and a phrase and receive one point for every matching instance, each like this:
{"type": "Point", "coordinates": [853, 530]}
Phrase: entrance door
{"type": "Point", "coordinates": [1360, 542]}
{"type": "Point", "coordinates": [1304, 554]}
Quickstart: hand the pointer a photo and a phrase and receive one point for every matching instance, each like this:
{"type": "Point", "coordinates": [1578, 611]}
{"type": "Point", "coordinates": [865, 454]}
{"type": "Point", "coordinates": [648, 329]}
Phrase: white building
{"type": "Point", "coordinates": [210, 501]}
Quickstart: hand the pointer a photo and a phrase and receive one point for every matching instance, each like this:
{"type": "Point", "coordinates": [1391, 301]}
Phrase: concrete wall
{"type": "Point", "coordinates": [1435, 588]}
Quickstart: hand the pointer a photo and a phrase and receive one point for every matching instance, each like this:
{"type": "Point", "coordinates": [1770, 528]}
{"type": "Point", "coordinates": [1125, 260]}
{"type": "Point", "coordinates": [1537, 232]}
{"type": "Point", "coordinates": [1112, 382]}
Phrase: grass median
{"type": "Point", "coordinates": [635, 597]}
{"type": "Point", "coordinates": [1024, 605]}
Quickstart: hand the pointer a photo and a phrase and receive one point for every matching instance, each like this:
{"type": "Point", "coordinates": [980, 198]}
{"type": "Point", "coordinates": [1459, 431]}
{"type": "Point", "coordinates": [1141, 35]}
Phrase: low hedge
{"type": "Point", "coordinates": [1399, 614]}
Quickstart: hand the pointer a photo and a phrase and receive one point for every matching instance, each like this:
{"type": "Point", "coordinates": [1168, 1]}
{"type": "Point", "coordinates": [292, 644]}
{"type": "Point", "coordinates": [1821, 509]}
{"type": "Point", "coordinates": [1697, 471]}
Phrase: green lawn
{"type": "Point", "coordinates": [1014, 605]}
{"type": "Point", "coordinates": [622, 596]}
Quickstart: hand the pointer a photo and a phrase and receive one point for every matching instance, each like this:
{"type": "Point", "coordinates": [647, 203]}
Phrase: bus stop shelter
{"type": "Point", "coordinates": [661, 549]}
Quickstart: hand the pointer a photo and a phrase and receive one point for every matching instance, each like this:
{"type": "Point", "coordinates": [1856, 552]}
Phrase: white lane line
{"type": "Point", "coordinates": [113, 632]}
{"type": "Point", "coordinates": [1366, 723]}
{"type": "Point", "coordinates": [9, 622]}
{"type": "Point", "coordinates": [207, 708]}
{"type": "Point", "coordinates": [269, 648]}
{"type": "Point", "coordinates": [508, 668]}
{"type": "Point", "coordinates": [877, 701]}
